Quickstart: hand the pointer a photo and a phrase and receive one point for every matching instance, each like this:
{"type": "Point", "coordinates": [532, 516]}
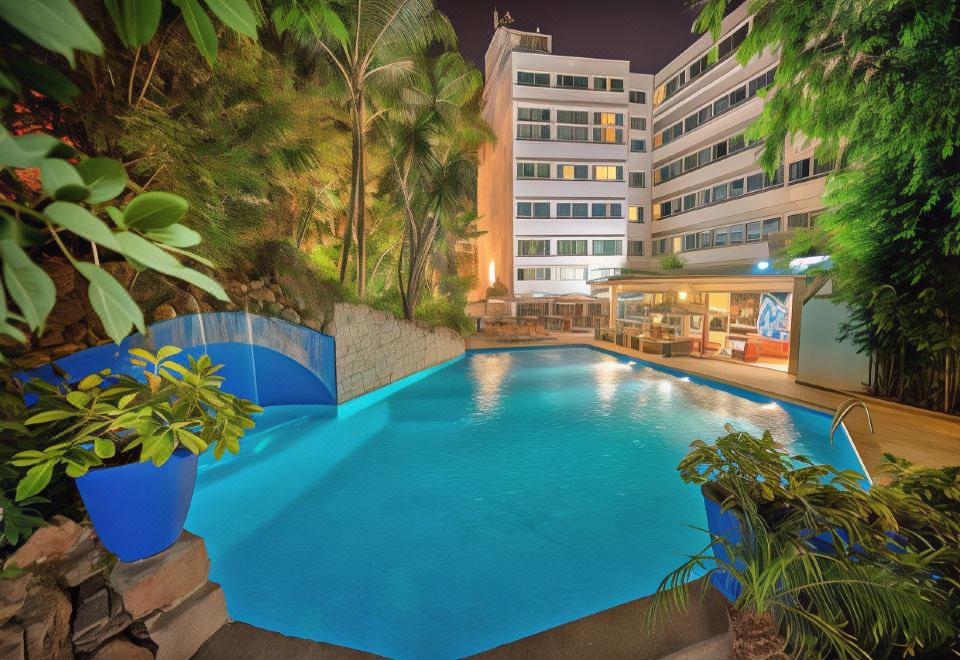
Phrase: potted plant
{"type": "Point", "coordinates": [132, 444]}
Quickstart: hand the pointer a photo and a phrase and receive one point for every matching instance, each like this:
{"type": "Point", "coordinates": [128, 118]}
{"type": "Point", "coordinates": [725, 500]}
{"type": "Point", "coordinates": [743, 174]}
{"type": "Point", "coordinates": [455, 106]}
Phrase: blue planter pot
{"type": "Point", "coordinates": [723, 524]}
{"type": "Point", "coordinates": [139, 509]}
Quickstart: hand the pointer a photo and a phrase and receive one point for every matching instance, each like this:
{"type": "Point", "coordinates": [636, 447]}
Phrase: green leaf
{"type": "Point", "coordinates": [111, 302]}
{"type": "Point", "coordinates": [154, 210]}
{"type": "Point", "coordinates": [167, 351]}
{"type": "Point", "coordinates": [192, 255]}
{"type": "Point", "coordinates": [35, 480]}
{"type": "Point", "coordinates": [29, 286]}
{"type": "Point", "coordinates": [136, 21]}
{"type": "Point", "coordinates": [176, 235]}
{"type": "Point", "coordinates": [54, 24]}
{"type": "Point", "coordinates": [82, 223]}
{"type": "Point", "coordinates": [200, 27]}
{"type": "Point", "coordinates": [104, 448]}
{"type": "Point", "coordinates": [29, 150]}
{"type": "Point", "coordinates": [49, 416]}
{"type": "Point", "coordinates": [61, 181]}
{"type": "Point", "coordinates": [116, 215]}
{"type": "Point", "coordinates": [236, 14]}
{"type": "Point", "coordinates": [105, 177]}
{"type": "Point", "coordinates": [145, 252]}
{"type": "Point", "coordinates": [45, 79]}
{"type": "Point", "coordinates": [89, 382]}
{"type": "Point", "coordinates": [25, 235]}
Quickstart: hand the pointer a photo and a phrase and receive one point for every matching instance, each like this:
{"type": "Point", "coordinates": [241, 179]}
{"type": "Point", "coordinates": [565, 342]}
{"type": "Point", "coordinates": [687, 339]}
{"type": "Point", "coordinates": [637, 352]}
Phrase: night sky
{"type": "Point", "coordinates": [649, 33]}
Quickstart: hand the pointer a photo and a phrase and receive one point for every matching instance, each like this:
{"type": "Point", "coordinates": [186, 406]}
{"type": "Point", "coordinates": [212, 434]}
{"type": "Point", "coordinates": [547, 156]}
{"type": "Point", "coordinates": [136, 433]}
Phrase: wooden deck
{"type": "Point", "coordinates": [921, 436]}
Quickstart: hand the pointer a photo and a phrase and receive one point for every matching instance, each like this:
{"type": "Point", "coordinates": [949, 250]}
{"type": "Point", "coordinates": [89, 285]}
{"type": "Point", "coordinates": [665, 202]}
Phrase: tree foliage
{"type": "Point", "coordinates": [877, 85]}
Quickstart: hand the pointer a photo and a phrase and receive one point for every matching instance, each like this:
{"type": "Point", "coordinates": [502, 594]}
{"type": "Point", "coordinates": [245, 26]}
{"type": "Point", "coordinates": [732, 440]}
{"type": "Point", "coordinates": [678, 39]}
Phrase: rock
{"type": "Point", "coordinates": [88, 558]}
{"type": "Point", "coordinates": [47, 543]}
{"type": "Point", "coordinates": [272, 309]}
{"type": "Point", "coordinates": [164, 312]}
{"type": "Point", "coordinates": [151, 288]}
{"type": "Point", "coordinates": [264, 295]}
{"type": "Point", "coordinates": [12, 642]}
{"type": "Point", "coordinates": [64, 275]}
{"type": "Point", "coordinates": [122, 271]}
{"type": "Point", "coordinates": [46, 623]}
{"type": "Point", "coordinates": [12, 595]}
{"type": "Point", "coordinates": [121, 649]}
{"type": "Point", "coordinates": [68, 311]}
{"type": "Point", "coordinates": [51, 338]}
{"type": "Point", "coordinates": [93, 611]}
{"type": "Point", "coordinates": [66, 349]}
{"type": "Point", "coordinates": [313, 324]}
{"type": "Point", "coordinates": [184, 304]}
{"type": "Point", "coordinates": [289, 315]}
{"type": "Point", "coordinates": [181, 631]}
{"type": "Point", "coordinates": [235, 289]}
{"type": "Point", "coordinates": [161, 581]}
{"type": "Point", "coordinates": [99, 615]}
{"type": "Point", "coordinates": [256, 285]}
{"type": "Point", "coordinates": [276, 289]}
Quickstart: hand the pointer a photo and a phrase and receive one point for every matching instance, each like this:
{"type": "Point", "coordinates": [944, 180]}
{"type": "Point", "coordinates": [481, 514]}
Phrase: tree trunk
{"type": "Point", "coordinates": [352, 205]}
{"type": "Point", "coordinates": [362, 204]}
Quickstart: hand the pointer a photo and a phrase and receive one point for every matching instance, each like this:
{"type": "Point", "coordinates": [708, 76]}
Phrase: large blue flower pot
{"type": "Point", "coordinates": [138, 509]}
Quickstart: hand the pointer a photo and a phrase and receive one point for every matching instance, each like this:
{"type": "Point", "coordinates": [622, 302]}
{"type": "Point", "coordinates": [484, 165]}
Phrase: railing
{"type": "Point", "coordinates": [843, 410]}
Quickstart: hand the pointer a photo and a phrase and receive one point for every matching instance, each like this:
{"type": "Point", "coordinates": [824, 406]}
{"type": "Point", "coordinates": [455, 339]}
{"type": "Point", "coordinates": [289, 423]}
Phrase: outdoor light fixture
{"type": "Point", "coordinates": [763, 265]}
{"type": "Point", "coordinates": [492, 273]}
{"type": "Point", "coordinates": [682, 295]}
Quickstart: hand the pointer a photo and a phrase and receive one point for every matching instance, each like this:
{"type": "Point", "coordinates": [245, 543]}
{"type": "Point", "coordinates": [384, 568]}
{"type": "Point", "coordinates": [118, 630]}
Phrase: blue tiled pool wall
{"type": "Point", "coordinates": [266, 360]}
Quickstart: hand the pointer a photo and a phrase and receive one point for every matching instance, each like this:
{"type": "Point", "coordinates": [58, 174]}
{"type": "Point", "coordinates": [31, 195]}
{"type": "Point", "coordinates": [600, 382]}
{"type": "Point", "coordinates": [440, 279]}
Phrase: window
{"type": "Point", "coordinates": [761, 82]}
{"type": "Point", "coordinates": [608, 118]}
{"type": "Point", "coordinates": [698, 68]}
{"type": "Point", "coordinates": [638, 123]}
{"type": "Point", "coordinates": [608, 135]}
{"type": "Point", "coordinates": [638, 145]}
{"type": "Point", "coordinates": [600, 83]}
{"type": "Point", "coordinates": [533, 248]}
{"type": "Point", "coordinates": [533, 170]}
{"type": "Point", "coordinates": [572, 133]}
{"type": "Point", "coordinates": [533, 131]}
{"type": "Point", "coordinates": [568, 210]}
{"type": "Point", "coordinates": [720, 193]}
{"type": "Point", "coordinates": [607, 247]}
{"type": "Point", "coordinates": [524, 274]}
{"type": "Point", "coordinates": [638, 179]}
{"type": "Point", "coordinates": [661, 246]}
{"type": "Point", "coordinates": [616, 84]}
{"type": "Point", "coordinates": [580, 210]}
{"type": "Point", "coordinates": [563, 210]}
{"type": "Point", "coordinates": [798, 221]}
{"type": "Point", "coordinates": [706, 240]}
{"type": "Point", "coordinates": [573, 172]}
{"type": "Point", "coordinates": [637, 96]}
{"type": "Point", "coordinates": [771, 226]}
{"type": "Point", "coordinates": [533, 114]}
{"type": "Point", "coordinates": [524, 210]}
{"type": "Point", "coordinates": [572, 274]}
{"type": "Point", "coordinates": [569, 248]}
{"type": "Point", "coordinates": [541, 209]}
{"type": "Point", "coordinates": [799, 170]}
{"type": "Point", "coordinates": [536, 79]}
{"type": "Point", "coordinates": [754, 230]}
{"type": "Point", "coordinates": [754, 182]}
{"type": "Point", "coordinates": [690, 242]}
{"type": "Point", "coordinates": [606, 210]}
{"type": "Point", "coordinates": [731, 43]}
{"type": "Point", "coordinates": [634, 248]}
{"type": "Point", "coordinates": [689, 201]}
{"type": "Point", "coordinates": [577, 82]}
{"type": "Point", "coordinates": [573, 116]}
{"type": "Point", "coordinates": [736, 234]}
{"type": "Point", "coordinates": [821, 167]}
{"type": "Point", "coordinates": [608, 172]}
{"type": "Point", "coordinates": [720, 237]}
{"type": "Point", "coordinates": [669, 88]}
{"type": "Point", "coordinates": [736, 188]}
{"type": "Point", "coordinates": [635, 213]}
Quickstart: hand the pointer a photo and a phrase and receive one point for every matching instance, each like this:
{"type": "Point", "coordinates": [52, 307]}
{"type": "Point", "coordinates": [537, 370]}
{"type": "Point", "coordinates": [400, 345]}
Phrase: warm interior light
{"type": "Point", "coordinates": [682, 295]}
{"type": "Point", "coordinates": [492, 273]}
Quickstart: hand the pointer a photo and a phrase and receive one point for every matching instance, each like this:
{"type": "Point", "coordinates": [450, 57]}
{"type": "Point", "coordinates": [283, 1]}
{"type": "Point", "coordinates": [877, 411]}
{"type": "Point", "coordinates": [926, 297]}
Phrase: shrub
{"type": "Point", "coordinates": [672, 261]}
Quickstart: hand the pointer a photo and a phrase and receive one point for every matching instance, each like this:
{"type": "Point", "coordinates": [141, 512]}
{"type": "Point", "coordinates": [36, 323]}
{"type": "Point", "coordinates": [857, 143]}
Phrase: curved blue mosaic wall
{"type": "Point", "coordinates": [267, 360]}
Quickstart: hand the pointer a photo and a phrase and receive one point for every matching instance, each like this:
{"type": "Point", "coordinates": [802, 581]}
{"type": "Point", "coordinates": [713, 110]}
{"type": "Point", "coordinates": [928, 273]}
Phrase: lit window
{"type": "Point", "coordinates": [635, 214]}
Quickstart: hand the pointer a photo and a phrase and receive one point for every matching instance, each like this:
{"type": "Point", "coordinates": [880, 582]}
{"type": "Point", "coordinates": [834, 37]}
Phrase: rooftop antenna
{"type": "Point", "coordinates": [507, 19]}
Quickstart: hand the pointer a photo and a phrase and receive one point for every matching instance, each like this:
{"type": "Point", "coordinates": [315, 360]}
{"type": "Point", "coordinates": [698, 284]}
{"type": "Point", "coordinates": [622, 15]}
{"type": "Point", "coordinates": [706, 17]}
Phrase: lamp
{"type": "Point", "coordinates": [492, 273]}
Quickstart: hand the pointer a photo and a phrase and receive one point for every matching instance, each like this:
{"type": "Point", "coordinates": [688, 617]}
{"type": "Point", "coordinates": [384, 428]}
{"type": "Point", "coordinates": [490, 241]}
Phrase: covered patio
{"type": "Point", "coordinates": [749, 318]}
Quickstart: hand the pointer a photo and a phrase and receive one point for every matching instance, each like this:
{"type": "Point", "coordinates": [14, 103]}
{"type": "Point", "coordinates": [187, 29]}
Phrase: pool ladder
{"type": "Point", "coordinates": [844, 409]}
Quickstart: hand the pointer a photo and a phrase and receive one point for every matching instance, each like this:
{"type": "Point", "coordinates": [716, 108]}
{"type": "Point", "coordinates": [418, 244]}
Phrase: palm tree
{"type": "Point", "coordinates": [372, 46]}
{"type": "Point", "coordinates": [434, 138]}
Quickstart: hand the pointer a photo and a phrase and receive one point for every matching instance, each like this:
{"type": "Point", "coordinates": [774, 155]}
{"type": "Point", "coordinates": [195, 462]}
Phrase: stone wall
{"type": "Point", "coordinates": [73, 600]}
{"type": "Point", "coordinates": [374, 348]}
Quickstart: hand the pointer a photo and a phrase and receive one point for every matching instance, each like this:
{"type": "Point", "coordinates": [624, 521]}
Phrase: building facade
{"type": "Point", "coordinates": [597, 169]}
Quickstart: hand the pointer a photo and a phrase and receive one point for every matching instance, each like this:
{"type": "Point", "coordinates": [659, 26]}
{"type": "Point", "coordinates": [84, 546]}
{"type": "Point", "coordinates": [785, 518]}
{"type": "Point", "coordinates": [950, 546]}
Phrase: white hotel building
{"type": "Point", "coordinates": [597, 169]}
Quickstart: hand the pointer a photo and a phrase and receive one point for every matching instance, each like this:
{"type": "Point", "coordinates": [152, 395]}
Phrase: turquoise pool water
{"type": "Point", "coordinates": [501, 495]}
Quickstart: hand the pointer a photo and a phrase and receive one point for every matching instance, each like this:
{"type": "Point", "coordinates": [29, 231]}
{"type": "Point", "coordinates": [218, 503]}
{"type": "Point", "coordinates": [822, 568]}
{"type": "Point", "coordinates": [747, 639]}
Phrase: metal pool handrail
{"type": "Point", "coordinates": [844, 409]}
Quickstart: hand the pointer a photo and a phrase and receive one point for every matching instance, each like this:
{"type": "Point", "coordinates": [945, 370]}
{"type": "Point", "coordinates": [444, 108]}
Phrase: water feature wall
{"type": "Point", "coordinates": [267, 360]}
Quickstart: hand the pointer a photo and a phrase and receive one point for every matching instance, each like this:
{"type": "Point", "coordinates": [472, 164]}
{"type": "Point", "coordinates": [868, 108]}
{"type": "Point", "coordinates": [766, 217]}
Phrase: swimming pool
{"type": "Point", "coordinates": [502, 494]}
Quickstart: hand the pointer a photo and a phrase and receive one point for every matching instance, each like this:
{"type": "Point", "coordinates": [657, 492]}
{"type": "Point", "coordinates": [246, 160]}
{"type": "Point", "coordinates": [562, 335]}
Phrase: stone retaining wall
{"type": "Point", "coordinates": [374, 348]}
{"type": "Point", "coordinates": [74, 600]}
